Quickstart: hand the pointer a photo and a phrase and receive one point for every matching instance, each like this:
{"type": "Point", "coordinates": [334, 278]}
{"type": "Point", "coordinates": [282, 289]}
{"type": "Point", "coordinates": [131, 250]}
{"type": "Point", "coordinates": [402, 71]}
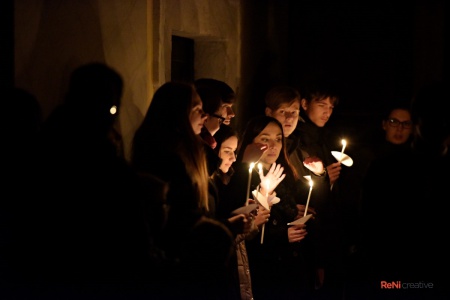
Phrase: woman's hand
{"type": "Point", "coordinates": [253, 152]}
{"type": "Point", "coordinates": [315, 165]}
{"type": "Point", "coordinates": [333, 172]}
{"type": "Point", "coordinates": [262, 216]}
{"type": "Point", "coordinates": [296, 233]}
{"type": "Point", "coordinates": [271, 180]}
{"type": "Point", "coordinates": [241, 223]}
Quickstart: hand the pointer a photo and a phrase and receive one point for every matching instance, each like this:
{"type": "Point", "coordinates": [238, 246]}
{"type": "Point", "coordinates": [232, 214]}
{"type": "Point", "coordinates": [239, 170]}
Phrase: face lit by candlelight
{"type": "Point", "coordinates": [271, 136]}
{"type": "Point", "coordinates": [287, 114]}
{"type": "Point", "coordinates": [197, 116]}
{"type": "Point", "coordinates": [318, 110]}
{"type": "Point", "coordinates": [227, 153]}
{"type": "Point", "coordinates": [227, 112]}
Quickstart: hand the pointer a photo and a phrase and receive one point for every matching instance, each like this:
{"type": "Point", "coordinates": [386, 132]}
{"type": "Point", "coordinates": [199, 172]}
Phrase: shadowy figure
{"type": "Point", "coordinates": [403, 213]}
{"type": "Point", "coordinates": [22, 123]}
{"type": "Point", "coordinates": [83, 216]}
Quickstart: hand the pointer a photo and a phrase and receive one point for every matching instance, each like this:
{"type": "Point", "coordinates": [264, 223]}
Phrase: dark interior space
{"type": "Point", "coordinates": [182, 62]}
{"type": "Point", "coordinates": [373, 52]}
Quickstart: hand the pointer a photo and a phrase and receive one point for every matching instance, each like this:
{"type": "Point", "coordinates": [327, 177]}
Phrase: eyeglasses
{"type": "Point", "coordinates": [221, 119]}
{"type": "Point", "coordinates": [395, 123]}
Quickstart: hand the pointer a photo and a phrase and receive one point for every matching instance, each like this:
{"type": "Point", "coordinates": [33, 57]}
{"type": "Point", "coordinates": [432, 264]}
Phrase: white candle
{"type": "Point", "coordinates": [344, 143]}
{"type": "Point", "coordinates": [252, 165]}
{"type": "Point", "coordinates": [309, 196]}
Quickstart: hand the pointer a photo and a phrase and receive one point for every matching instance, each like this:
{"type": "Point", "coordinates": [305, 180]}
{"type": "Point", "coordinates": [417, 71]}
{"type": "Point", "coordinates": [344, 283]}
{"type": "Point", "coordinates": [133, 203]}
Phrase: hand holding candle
{"type": "Point", "coordinates": [340, 158]}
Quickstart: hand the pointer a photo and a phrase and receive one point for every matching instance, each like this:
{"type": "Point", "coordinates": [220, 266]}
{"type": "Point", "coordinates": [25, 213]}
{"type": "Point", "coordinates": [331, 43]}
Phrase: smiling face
{"type": "Point", "coordinates": [197, 116]}
{"type": "Point", "coordinates": [271, 136]}
{"type": "Point", "coordinates": [318, 111]}
{"type": "Point", "coordinates": [227, 153]}
{"type": "Point", "coordinates": [287, 114]}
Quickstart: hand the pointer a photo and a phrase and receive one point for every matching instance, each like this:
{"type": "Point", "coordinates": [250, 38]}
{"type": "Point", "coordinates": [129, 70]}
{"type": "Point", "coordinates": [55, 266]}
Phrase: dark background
{"type": "Point", "coordinates": [374, 52]}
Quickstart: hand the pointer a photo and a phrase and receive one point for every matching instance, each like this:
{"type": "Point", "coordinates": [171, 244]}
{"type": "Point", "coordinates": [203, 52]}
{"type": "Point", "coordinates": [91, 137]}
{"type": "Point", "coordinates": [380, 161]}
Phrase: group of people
{"type": "Point", "coordinates": [204, 210]}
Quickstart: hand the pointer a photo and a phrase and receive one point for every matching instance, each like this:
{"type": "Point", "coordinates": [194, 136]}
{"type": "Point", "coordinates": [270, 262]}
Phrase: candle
{"type": "Point", "coordinates": [252, 165]}
{"type": "Point", "coordinates": [309, 196]}
{"type": "Point", "coordinates": [344, 143]}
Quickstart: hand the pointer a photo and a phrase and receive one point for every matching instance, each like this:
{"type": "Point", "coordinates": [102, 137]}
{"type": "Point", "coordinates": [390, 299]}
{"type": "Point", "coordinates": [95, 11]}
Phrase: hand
{"type": "Point", "coordinates": [296, 233]}
{"type": "Point", "coordinates": [314, 164]}
{"type": "Point", "coordinates": [272, 178]}
{"type": "Point", "coordinates": [301, 211]}
{"type": "Point", "coordinates": [241, 223]}
{"type": "Point", "coordinates": [253, 152]}
{"type": "Point", "coordinates": [262, 216]}
{"type": "Point", "coordinates": [333, 172]}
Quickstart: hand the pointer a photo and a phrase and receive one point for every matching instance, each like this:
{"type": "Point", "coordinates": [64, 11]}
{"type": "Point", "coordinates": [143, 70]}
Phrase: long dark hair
{"type": "Point", "coordinates": [167, 121]}
{"type": "Point", "coordinates": [253, 129]}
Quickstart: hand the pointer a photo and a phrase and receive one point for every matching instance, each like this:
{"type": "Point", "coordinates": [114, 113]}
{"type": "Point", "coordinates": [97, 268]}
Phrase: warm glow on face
{"type": "Point", "coordinates": [227, 153]}
{"type": "Point", "coordinates": [272, 136]}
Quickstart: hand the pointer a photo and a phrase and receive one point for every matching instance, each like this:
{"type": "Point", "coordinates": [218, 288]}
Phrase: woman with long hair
{"type": "Point", "coordinates": [167, 145]}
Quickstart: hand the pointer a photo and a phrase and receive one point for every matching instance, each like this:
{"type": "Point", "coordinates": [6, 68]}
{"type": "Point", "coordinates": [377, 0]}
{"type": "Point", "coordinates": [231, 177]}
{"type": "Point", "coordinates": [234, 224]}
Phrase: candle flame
{"type": "Point", "coordinates": [344, 142]}
{"type": "Point", "coordinates": [252, 165]}
{"type": "Point", "coordinates": [310, 183]}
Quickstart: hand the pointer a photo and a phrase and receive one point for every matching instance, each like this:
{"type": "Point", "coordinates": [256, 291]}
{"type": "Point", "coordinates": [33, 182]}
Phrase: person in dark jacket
{"type": "Point", "coordinates": [199, 246]}
{"type": "Point", "coordinates": [273, 252]}
{"type": "Point", "coordinates": [283, 103]}
{"type": "Point", "coordinates": [317, 140]}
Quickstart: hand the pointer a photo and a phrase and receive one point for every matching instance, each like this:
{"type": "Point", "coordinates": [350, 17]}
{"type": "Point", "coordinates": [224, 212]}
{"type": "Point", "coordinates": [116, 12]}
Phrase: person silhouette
{"type": "Point", "coordinates": [88, 230]}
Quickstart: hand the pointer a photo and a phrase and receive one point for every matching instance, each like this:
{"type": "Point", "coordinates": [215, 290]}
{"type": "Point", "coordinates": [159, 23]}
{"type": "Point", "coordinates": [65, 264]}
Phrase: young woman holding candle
{"type": "Point", "coordinates": [227, 141]}
{"type": "Point", "coordinates": [283, 103]}
{"type": "Point", "coordinates": [276, 264]}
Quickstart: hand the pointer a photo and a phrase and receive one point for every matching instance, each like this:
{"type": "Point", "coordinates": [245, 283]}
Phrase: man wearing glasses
{"type": "Point", "coordinates": [218, 99]}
